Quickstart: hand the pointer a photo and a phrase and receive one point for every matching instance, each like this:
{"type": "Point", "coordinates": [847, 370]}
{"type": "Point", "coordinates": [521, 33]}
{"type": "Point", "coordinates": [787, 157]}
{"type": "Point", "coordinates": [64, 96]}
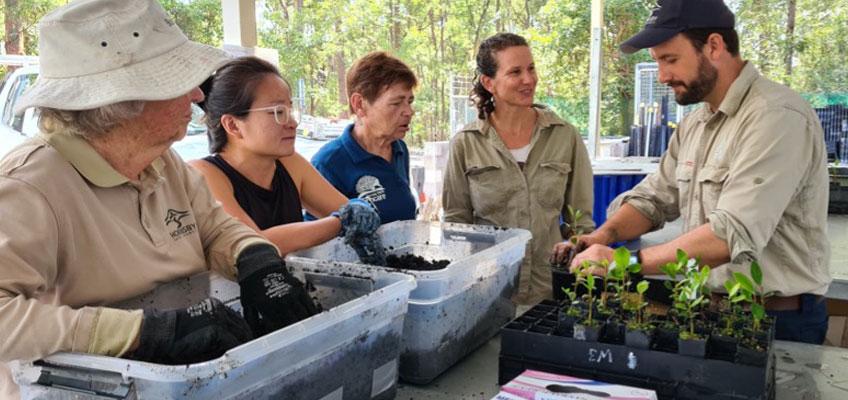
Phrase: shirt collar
{"type": "Point", "coordinates": [546, 118]}
{"type": "Point", "coordinates": [738, 89]}
{"type": "Point", "coordinates": [86, 160]}
{"type": "Point", "coordinates": [358, 154]}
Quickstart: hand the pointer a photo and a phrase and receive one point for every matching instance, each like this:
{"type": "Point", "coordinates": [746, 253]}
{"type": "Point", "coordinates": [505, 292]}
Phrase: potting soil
{"type": "Point", "coordinates": [415, 263]}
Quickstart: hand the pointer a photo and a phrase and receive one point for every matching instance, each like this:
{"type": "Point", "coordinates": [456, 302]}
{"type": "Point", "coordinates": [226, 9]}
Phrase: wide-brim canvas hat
{"type": "Point", "coordinates": [94, 53]}
{"type": "Point", "coordinates": [670, 17]}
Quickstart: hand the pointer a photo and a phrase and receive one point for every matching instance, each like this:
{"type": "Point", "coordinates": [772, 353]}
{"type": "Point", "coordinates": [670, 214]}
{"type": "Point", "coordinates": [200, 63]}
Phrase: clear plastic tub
{"type": "Point", "coordinates": [453, 310]}
{"type": "Point", "coordinates": [348, 352]}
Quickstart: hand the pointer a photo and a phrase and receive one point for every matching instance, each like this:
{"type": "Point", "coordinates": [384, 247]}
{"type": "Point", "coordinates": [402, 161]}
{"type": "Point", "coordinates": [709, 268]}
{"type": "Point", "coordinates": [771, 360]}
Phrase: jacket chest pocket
{"type": "Point", "coordinates": [711, 179]}
{"type": "Point", "coordinates": [550, 182]}
{"type": "Point", "coordinates": [490, 189]}
{"type": "Point", "coordinates": [683, 175]}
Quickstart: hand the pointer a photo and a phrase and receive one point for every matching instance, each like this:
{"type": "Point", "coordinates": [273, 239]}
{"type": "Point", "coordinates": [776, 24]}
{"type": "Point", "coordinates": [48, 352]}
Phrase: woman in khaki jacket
{"type": "Point", "coordinates": [519, 165]}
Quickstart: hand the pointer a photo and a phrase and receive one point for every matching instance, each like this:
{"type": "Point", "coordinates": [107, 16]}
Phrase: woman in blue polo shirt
{"type": "Point", "coordinates": [370, 160]}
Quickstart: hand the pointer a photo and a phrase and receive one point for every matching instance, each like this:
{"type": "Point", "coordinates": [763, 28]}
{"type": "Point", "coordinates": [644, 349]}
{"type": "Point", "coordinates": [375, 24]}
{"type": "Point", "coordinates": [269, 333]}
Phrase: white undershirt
{"type": "Point", "coordinates": [521, 154]}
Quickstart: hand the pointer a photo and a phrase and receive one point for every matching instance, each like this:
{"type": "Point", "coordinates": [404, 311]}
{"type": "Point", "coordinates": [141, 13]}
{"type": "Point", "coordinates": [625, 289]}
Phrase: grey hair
{"type": "Point", "coordinates": [89, 123]}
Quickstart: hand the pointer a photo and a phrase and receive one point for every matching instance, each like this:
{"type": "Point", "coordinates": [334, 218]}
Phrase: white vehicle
{"type": "Point", "coordinates": [14, 129]}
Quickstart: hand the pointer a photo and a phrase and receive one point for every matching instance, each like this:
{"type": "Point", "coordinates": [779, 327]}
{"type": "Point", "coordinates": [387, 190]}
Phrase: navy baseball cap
{"type": "Point", "coordinates": [670, 17]}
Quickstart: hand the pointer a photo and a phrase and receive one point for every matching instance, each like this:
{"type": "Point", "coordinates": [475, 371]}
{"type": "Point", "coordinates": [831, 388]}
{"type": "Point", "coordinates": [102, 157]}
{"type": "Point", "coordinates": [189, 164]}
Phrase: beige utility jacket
{"type": "Point", "coordinates": [756, 171]}
{"type": "Point", "coordinates": [483, 184]}
{"type": "Point", "coordinates": [76, 235]}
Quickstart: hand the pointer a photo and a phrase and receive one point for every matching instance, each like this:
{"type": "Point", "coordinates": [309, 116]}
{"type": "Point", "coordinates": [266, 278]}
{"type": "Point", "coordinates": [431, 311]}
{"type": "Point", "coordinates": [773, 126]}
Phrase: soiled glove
{"type": "Point", "coordinates": [358, 218]}
{"type": "Point", "coordinates": [369, 249]}
{"type": "Point", "coordinates": [359, 227]}
{"type": "Point", "coordinates": [199, 333]}
{"type": "Point", "coordinates": [271, 297]}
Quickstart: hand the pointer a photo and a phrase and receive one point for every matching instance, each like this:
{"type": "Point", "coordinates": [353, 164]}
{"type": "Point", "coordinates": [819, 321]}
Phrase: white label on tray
{"type": "Point", "coordinates": [599, 356]}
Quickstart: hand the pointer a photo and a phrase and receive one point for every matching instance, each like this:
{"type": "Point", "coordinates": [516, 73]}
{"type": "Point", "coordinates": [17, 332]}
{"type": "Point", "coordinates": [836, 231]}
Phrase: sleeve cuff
{"type": "Point", "coordinates": [114, 331]}
{"type": "Point", "coordinates": [729, 229]}
{"type": "Point", "coordinates": [644, 206]}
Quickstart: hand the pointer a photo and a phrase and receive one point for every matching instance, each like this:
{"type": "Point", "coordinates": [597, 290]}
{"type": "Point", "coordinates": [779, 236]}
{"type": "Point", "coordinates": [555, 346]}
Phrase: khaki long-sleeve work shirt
{"type": "Point", "coordinates": [76, 235]}
{"type": "Point", "coordinates": [756, 171]}
{"type": "Point", "coordinates": [483, 184]}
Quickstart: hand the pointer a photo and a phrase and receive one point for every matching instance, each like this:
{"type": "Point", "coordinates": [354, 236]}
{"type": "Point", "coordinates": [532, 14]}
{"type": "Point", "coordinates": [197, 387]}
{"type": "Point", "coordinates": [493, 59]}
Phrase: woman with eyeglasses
{"type": "Point", "coordinates": [254, 171]}
{"type": "Point", "coordinates": [370, 160]}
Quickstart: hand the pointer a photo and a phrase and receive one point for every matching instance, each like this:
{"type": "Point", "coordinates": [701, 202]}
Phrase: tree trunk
{"type": "Point", "coordinates": [14, 30]}
{"type": "Point", "coordinates": [790, 40]}
{"type": "Point", "coordinates": [340, 71]}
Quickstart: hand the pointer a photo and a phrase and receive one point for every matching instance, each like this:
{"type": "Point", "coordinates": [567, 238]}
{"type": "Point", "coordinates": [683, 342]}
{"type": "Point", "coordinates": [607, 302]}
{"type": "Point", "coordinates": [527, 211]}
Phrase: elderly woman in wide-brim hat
{"type": "Point", "coordinates": [97, 209]}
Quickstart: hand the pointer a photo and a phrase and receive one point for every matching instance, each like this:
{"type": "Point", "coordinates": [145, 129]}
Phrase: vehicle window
{"type": "Point", "coordinates": [19, 85]}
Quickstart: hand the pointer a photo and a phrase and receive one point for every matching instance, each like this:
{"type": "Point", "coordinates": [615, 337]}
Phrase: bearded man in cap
{"type": "Point", "coordinates": [98, 209]}
{"type": "Point", "coordinates": [746, 172]}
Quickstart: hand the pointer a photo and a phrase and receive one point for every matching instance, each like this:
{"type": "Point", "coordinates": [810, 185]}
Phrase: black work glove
{"type": "Point", "coordinates": [199, 333]}
{"type": "Point", "coordinates": [271, 297]}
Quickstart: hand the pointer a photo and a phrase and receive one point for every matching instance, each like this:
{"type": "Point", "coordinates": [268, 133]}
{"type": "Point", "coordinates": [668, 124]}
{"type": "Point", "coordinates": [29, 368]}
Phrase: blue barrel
{"type": "Point", "coordinates": [607, 188]}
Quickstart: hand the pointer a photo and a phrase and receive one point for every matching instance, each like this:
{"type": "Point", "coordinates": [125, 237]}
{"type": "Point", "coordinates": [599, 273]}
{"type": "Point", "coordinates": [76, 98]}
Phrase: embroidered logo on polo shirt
{"type": "Point", "coordinates": [369, 188]}
{"type": "Point", "coordinates": [176, 217]}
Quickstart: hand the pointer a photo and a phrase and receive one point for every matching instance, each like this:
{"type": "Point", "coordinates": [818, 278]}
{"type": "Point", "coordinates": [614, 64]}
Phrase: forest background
{"type": "Point", "coordinates": [801, 43]}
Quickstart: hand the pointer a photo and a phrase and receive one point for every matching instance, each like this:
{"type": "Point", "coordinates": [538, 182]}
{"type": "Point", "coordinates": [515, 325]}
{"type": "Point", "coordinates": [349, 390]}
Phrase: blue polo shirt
{"type": "Point", "coordinates": [358, 173]}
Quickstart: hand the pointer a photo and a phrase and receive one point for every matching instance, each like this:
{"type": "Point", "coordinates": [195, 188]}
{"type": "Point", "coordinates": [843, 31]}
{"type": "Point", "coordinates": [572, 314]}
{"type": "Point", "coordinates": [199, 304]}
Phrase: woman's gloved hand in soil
{"type": "Point", "coordinates": [271, 297]}
{"type": "Point", "coordinates": [198, 333]}
{"type": "Point", "coordinates": [358, 218]}
{"type": "Point", "coordinates": [369, 249]}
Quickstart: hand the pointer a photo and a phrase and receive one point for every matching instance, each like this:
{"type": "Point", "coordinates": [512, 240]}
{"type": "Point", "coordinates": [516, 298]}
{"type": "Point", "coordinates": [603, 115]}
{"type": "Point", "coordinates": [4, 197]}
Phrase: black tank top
{"type": "Point", "coordinates": [267, 208]}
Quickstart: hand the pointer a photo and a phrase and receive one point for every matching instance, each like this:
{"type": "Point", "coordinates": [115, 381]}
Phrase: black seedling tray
{"type": "Point", "coordinates": [530, 342]}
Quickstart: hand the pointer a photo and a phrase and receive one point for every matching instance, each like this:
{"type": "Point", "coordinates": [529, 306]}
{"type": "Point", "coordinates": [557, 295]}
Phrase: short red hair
{"type": "Point", "coordinates": [371, 75]}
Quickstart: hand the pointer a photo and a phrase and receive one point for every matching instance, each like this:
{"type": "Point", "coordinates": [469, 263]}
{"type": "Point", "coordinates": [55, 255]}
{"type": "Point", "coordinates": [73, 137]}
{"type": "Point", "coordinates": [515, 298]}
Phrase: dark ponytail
{"type": "Point", "coordinates": [230, 91]}
{"type": "Point", "coordinates": [487, 65]}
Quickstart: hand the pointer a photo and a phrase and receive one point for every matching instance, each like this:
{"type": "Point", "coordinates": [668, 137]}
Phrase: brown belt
{"type": "Point", "coordinates": [788, 303]}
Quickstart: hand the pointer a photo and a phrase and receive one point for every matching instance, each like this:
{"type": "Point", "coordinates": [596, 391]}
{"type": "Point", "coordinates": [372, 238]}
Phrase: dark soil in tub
{"type": "Point", "coordinates": [415, 263]}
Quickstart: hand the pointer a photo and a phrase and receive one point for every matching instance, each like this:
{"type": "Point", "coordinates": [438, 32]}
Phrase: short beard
{"type": "Point", "coordinates": [698, 89]}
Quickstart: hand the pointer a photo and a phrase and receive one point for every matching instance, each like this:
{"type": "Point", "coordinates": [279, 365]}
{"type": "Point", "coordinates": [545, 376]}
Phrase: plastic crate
{"type": "Point", "coordinates": [453, 310]}
{"type": "Point", "coordinates": [348, 352]}
{"type": "Point", "coordinates": [531, 342]}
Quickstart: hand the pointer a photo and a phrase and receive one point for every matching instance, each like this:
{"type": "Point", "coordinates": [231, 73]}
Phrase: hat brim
{"type": "Point", "coordinates": [648, 37]}
{"type": "Point", "coordinates": [164, 77]}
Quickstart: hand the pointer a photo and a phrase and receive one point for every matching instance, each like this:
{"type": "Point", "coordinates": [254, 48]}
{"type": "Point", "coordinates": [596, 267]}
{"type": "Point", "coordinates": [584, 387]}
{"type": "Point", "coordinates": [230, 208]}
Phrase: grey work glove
{"type": "Point", "coordinates": [198, 333]}
{"type": "Point", "coordinates": [359, 227]}
{"type": "Point", "coordinates": [358, 218]}
{"type": "Point", "coordinates": [271, 297]}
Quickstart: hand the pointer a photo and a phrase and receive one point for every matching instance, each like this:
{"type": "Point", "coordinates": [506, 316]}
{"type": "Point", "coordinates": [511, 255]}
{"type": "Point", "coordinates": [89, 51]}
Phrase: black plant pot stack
{"type": "Point", "coordinates": [715, 368]}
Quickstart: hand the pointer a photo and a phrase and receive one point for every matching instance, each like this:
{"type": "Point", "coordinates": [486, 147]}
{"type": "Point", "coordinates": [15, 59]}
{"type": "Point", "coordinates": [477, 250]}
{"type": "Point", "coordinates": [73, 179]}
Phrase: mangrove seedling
{"type": "Point", "coordinates": [691, 297]}
{"type": "Point", "coordinates": [754, 293]}
{"type": "Point", "coordinates": [588, 282]}
{"type": "Point", "coordinates": [637, 304]}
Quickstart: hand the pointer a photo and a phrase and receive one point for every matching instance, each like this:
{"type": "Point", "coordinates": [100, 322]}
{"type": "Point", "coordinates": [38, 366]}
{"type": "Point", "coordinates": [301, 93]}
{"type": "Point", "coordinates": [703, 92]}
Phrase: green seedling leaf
{"type": "Point", "coordinates": [635, 268]}
{"type": "Point", "coordinates": [622, 257]}
{"type": "Point", "coordinates": [680, 306]}
{"type": "Point", "coordinates": [642, 287]}
{"type": "Point", "coordinates": [669, 269]}
{"type": "Point", "coordinates": [758, 311]}
{"type": "Point", "coordinates": [756, 273]}
{"type": "Point", "coordinates": [743, 280]}
{"type": "Point", "coordinates": [682, 257]}
{"type": "Point", "coordinates": [705, 273]}
{"type": "Point", "coordinates": [668, 285]}
{"type": "Point", "coordinates": [728, 286]}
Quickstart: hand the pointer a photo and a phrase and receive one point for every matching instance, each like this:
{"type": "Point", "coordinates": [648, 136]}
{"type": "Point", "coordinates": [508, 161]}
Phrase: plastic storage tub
{"type": "Point", "coordinates": [348, 352]}
{"type": "Point", "coordinates": [453, 310]}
